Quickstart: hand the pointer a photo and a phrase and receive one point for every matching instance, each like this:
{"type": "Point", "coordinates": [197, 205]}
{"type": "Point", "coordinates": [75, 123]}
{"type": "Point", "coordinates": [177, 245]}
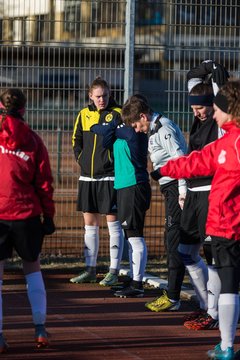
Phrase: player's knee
{"type": "Point", "coordinates": [189, 254]}
{"type": "Point", "coordinates": [133, 233]}
{"type": "Point", "coordinates": [186, 259]}
{"type": "Point", "coordinates": [175, 260]}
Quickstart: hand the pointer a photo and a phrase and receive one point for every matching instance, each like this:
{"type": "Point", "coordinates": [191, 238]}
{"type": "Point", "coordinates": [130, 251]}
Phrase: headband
{"type": "Point", "coordinates": [203, 100]}
{"type": "Point", "coordinates": [221, 102]}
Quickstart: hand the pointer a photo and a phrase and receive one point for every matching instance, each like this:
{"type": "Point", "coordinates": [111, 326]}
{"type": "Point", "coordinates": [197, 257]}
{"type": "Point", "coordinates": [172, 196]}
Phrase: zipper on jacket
{"type": "Point", "coordinates": [93, 154]}
{"type": "Point", "coordinates": [109, 156]}
{"type": "Point", "coordinates": [79, 156]}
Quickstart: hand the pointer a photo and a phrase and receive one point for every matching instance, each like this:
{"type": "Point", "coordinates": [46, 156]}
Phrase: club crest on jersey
{"type": "Point", "coordinates": [222, 157]}
{"type": "Point", "coordinates": [108, 117]}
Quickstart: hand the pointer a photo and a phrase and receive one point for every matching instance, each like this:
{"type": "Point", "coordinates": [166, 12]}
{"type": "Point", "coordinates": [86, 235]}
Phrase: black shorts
{"type": "Point", "coordinates": [194, 217]}
{"type": "Point", "coordinates": [133, 202]}
{"type": "Point", "coordinates": [24, 236]}
{"type": "Point", "coordinates": [97, 197]}
{"type": "Point", "coordinates": [226, 252]}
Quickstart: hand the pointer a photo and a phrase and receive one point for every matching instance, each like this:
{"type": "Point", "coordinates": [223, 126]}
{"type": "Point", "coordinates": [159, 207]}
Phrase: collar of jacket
{"type": "Point", "coordinates": [155, 123]}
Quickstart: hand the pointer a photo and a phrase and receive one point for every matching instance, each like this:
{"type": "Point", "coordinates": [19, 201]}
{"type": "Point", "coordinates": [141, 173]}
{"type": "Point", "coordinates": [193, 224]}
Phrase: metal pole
{"type": "Point", "coordinates": [129, 52]}
{"type": "Point", "coordinates": [59, 154]}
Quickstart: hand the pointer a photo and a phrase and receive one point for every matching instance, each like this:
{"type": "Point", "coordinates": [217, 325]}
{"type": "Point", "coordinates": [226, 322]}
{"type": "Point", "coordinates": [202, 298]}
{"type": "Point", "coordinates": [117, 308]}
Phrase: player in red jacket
{"type": "Point", "coordinates": [26, 204]}
{"type": "Point", "coordinates": [220, 159]}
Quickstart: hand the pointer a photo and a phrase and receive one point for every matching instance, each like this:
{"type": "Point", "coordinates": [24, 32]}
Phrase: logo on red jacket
{"type": "Point", "coordinates": [222, 157]}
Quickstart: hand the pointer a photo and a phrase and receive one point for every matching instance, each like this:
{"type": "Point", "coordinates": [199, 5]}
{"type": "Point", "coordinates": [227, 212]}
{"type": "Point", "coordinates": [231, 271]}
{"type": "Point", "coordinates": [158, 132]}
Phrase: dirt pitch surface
{"type": "Point", "coordinates": [87, 322]}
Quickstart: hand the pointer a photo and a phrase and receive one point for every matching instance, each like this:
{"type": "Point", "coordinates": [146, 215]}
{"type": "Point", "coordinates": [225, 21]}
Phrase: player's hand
{"type": "Point", "coordinates": [156, 174]}
{"type": "Point", "coordinates": [181, 199]}
{"type": "Point", "coordinates": [219, 74]}
{"type": "Point", "coordinates": [48, 225]}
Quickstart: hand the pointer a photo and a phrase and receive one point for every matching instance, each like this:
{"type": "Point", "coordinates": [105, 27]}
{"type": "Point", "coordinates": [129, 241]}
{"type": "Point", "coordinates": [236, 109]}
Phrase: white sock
{"type": "Point", "coordinates": [1, 310]}
{"type": "Point", "coordinates": [228, 307]}
{"type": "Point", "coordinates": [199, 276]}
{"type": "Point", "coordinates": [116, 244]}
{"type": "Point", "coordinates": [139, 257]}
{"type": "Point", "coordinates": [37, 297]}
{"type": "Point", "coordinates": [130, 251]}
{"type": "Point", "coordinates": [91, 245]}
{"type": "Point", "coordinates": [214, 288]}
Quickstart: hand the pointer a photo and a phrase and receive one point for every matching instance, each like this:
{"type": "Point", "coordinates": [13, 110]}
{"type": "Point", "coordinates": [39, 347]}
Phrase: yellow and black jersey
{"type": "Point", "coordinates": [94, 160]}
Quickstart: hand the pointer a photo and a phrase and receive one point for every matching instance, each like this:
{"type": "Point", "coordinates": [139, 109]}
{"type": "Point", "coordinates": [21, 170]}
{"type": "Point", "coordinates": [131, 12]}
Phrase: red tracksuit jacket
{"type": "Point", "coordinates": [221, 159]}
{"type": "Point", "coordinates": [25, 181]}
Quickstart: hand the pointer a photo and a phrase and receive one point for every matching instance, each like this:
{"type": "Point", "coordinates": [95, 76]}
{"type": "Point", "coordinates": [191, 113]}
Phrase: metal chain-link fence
{"type": "Point", "coordinates": [53, 49]}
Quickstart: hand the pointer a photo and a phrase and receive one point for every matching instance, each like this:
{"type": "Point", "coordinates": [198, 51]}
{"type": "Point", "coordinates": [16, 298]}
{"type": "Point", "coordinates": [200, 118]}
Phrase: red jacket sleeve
{"type": "Point", "coordinates": [198, 163]}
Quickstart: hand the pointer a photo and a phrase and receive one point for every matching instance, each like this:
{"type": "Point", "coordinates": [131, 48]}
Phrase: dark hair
{"type": "Point", "coordinates": [13, 99]}
{"type": "Point", "coordinates": [98, 82]}
{"type": "Point", "coordinates": [231, 91]}
{"type": "Point", "coordinates": [133, 107]}
{"type": "Point", "coordinates": [202, 89]}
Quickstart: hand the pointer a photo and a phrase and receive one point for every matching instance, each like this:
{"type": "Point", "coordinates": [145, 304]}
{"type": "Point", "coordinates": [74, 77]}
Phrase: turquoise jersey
{"type": "Point", "coordinates": [130, 151]}
{"type": "Point", "coordinates": [123, 167]}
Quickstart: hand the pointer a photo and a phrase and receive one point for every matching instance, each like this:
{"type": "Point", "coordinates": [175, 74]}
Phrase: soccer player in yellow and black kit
{"type": "Point", "coordinates": [96, 195]}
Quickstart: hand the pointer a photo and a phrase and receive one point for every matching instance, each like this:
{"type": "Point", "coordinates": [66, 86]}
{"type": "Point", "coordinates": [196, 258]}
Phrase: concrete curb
{"type": "Point", "coordinates": [186, 294]}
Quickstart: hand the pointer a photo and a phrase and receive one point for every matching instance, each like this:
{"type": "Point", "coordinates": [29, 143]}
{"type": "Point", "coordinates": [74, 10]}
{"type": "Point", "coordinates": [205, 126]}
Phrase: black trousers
{"type": "Point", "coordinates": [176, 268]}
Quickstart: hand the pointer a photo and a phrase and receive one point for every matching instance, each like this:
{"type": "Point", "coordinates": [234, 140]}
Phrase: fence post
{"type": "Point", "coordinates": [59, 154]}
{"type": "Point", "coordinates": [129, 51]}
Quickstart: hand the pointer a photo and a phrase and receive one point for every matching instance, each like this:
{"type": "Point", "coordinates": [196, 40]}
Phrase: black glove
{"type": "Point", "coordinates": [209, 69]}
{"type": "Point", "coordinates": [156, 174]}
{"type": "Point", "coordinates": [219, 74]}
{"type": "Point", "coordinates": [48, 225]}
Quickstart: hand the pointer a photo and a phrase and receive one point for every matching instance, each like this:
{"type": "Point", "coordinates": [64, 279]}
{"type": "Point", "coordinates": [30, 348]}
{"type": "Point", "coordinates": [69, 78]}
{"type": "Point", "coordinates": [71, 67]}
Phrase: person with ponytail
{"type": "Point", "coordinates": [26, 205]}
{"type": "Point", "coordinates": [221, 160]}
{"type": "Point", "coordinates": [203, 82]}
{"type": "Point", "coordinates": [96, 194]}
